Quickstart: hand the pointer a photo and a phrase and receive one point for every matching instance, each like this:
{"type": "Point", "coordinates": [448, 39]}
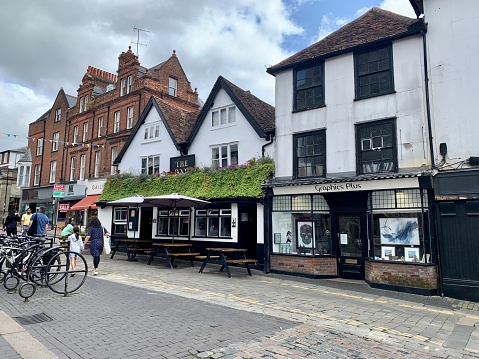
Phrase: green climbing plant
{"type": "Point", "coordinates": [225, 182]}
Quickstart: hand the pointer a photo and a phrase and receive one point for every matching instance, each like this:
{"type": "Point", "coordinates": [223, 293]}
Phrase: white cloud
{"type": "Point", "coordinates": [402, 7]}
{"type": "Point", "coordinates": [50, 44]}
{"type": "Point", "coordinates": [19, 106]}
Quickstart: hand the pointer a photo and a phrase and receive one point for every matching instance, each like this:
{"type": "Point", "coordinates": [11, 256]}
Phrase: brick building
{"type": "Point", "coordinates": [77, 140]}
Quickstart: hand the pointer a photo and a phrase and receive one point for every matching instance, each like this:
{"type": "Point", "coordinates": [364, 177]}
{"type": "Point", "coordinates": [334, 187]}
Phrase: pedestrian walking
{"type": "Point", "coordinates": [95, 234]}
{"type": "Point", "coordinates": [42, 222]}
{"type": "Point", "coordinates": [26, 221]}
{"type": "Point", "coordinates": [76, 246]}
{"type": "Point", "coordinates": [11, 222]}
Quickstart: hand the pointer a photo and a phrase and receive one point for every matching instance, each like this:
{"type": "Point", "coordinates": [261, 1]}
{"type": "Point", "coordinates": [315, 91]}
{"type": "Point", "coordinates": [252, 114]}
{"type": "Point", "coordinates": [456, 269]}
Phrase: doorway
{"type": "Point", "coordinates": [146, 223]}
{"type": "Point", "coordinates": [352, 246]}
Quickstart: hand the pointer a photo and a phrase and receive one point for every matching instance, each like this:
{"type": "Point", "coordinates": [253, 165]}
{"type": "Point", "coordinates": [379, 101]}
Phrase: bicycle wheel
{"type": "Point", "coordinates": [2, 276]}
{"type": "Point", "coordinates": [26, 290]}
{"type": "Point", "coordinates": [37, 267]}
{"type": "Point", "coordinates": [11, 282]}
{"type": "Point", "coordinates": [62, 279]}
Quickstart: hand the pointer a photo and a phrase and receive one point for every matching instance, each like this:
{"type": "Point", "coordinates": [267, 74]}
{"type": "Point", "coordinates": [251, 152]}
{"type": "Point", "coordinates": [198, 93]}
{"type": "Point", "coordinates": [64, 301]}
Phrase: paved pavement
{"type": "Point", "coordinates": [140, 311]}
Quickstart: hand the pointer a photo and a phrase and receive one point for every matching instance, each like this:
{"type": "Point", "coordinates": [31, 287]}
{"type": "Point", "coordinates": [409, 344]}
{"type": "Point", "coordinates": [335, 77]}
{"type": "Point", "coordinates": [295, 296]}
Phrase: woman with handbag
{"type": "Point", "coordinates": [95, 234]}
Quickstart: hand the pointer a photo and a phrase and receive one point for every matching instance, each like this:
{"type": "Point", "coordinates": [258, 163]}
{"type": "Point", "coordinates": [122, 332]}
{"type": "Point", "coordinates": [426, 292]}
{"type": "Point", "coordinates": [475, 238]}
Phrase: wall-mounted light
{"type": "Point", "coordinates": [233, 222]}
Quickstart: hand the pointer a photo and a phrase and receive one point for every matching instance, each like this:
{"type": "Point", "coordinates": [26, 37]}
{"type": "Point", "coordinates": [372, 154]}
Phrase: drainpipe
{"type": "Point", "coordinates": [428, 105]}
{"type": "Point", "coordinates": [270, 139]}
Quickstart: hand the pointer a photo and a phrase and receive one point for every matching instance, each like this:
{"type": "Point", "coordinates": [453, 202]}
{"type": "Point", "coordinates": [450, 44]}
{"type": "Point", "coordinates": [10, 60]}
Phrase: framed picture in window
{"type": "Point", "coordinates": [411, 254]}
{"type": "Point", "coordinates": [305, 234]}
{"type": "Point", "coordinates": [402, 231]}
{"type": "Point", "coordinates": [277, 238]}
{"type": "Point", "coordinates": [388, 252]}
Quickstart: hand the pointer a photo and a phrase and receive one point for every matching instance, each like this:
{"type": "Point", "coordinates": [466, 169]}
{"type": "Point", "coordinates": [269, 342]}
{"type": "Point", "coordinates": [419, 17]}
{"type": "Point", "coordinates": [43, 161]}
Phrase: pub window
{"type": "Point", "coordinates": [120, 219]}
{"type": "Point", "coordinates": [472, 208]}
{"type": "Point", "coordinates": [213, 223]}
{"type": "Point", "coordinates": [173, 223]}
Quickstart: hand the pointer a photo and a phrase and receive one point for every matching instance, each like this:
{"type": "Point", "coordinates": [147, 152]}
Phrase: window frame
{"type": "Point", "coordinates": [359, 142]}
{"type": "Point", "coordinates": [73, 162]}
{"type": "Point", "coordinates": [75, 134]}
{"type": "Point", "coordinates": [175, 221]}
{"type": "Point", "coordinates": [145, 164]}
{"type": "Point", "coordinates": [358, 77]}
{"type": "Point", "coordinates": [100, 126]}
{"type": "Point", "coordinates": [218, 120]}
{"type": "Point", "coordinates": [123, 86]}
{"type": "Point", "coordinates": [58, 114]}
{"type": "Point", "coordinates": [116, 122]}
{"type": "Point", "coordinates": [129, 117]}
{"type": "Point", "coordinates": [81, 177]}
{"type": "Point", "coordinates": [23, 176]}
{"type": "Point", "coordinates": [218, 162]}
{"type": "Point", "coordinates": [85, 132]}
{"type": "Point", "coordinates": [172, 90]}
{"type": "Point", "coordinates": [296, 90]}
{"type": "Point", "coordinates": [37, 174]}
{"type": "Point", "coordinates": [120, 220]}
{"type": "Point", "coordinates": [97, 164]}
{"type": "Point", "coordinates": [39, 146]}
{"type": "Point", "coordinates": [296, 158]}
{"type": "Point", "coordinates": [55, 141]}
{"type": "Point", "coordinates": [114, 155]}
{"type": "Point", "coordinates": [220, 217]}
{"type": "Point", "coordinates": [128, 84]}
{"type": "Point", "coordinates": [53, 171]}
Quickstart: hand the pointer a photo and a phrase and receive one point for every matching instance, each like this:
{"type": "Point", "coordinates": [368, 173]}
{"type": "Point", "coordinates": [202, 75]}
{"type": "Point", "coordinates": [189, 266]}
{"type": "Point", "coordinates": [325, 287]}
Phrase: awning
{"type": "Point", "coordinates": [87, 202]}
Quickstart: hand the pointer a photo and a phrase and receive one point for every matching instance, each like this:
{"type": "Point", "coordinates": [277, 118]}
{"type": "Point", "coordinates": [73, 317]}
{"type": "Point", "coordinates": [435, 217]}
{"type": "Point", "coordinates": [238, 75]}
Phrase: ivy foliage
{"type": "Point", "coordinates": [226, 182]}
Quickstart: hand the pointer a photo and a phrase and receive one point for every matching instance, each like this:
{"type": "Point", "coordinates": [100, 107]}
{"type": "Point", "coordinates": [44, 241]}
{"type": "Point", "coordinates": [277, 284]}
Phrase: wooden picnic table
{"type": "Point", "coordinates": [132, 247]}
{"type": "Point", "coordinates": [173, 251]}
{"type": "Point", "coordinates": [237, 256]}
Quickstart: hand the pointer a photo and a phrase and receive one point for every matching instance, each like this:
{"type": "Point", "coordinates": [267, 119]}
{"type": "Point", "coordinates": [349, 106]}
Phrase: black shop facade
{"type": "Point", "coordinates": [375, 228]}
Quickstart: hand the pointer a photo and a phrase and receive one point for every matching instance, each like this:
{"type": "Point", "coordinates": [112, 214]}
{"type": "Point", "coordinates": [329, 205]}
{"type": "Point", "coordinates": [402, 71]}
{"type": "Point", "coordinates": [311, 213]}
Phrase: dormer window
{"type": "Point", "coordinates": [83, 103]}
{"type": "Point", "coordinates": [125, 85]}
{"type": "Point", "coordinates": [172, 86]}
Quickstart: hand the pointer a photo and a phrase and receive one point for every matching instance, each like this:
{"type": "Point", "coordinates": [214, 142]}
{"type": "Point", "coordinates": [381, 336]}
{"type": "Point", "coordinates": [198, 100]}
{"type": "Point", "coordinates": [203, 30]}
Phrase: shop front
{"type": "Point", "coordinates": [378, 229]}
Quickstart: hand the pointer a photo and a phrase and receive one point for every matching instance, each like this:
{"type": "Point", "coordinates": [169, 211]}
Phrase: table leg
{"type": "Point", "coordinates": [170, 259]}
{"type": "Point", "coordinates": [225, 264]}
{"type": "Point", "coordinates": [152, 255]}
{"type": "Point", "coordinates": [207, 259]}
{"type": "Point", "coordinates": [114, 250]}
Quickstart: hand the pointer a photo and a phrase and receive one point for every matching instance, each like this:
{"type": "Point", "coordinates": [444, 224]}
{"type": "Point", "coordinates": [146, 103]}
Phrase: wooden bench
{"type": "Point", "coordinates": [171, 252]}
{"type": "Point", "coordinates": [241, 261]}
{"type": "Point", "coordinates": [132, 246]}
{"type": "Point", "coordinates": [204, 257]}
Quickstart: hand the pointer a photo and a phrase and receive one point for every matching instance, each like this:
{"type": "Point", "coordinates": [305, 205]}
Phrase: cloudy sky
{"type": "Point", "coordinates": [46, 45]}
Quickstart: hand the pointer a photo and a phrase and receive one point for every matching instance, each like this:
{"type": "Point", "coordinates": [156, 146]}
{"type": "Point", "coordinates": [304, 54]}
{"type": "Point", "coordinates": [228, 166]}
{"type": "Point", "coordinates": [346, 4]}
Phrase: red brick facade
{"type": "Point", "coordinates": [103, 104]}
{"type": "Point", "coordinates": [401, 274]}
{"type": "Point", "coordinates": [318, 266]}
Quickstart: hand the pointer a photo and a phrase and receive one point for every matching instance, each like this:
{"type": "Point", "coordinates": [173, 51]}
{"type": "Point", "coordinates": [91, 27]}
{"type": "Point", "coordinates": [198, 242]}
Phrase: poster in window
{"type": "Point", "coordinates": [402, 231]}
{"type": "Point", "coordinates": [305, 236]}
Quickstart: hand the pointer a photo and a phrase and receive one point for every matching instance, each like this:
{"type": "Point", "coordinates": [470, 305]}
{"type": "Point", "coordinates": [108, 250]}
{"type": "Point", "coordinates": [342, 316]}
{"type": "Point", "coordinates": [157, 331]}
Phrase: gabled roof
{"type": "Point", "coordinates": [374, 27]}
{"type": "Point", "coordinates": [418, 6]}
{"type": "Point", "coordinates": [177, 120]}
{"type": "Point", "coordinates": [27, 157]}
{"type": "Point", "coordinates": [259, 114]}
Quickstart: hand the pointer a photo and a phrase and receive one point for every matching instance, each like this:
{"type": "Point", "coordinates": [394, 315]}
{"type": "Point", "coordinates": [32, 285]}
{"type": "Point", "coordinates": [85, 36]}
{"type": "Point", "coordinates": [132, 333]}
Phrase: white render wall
{"type": "Point", "coordinates": [241, 132]}
{"type": "Point", "coordinates": [341, 112]}
{"type": "Point", "coordinates": [164, 147]}
{"type": "Point", "coordinates": [453, 49]}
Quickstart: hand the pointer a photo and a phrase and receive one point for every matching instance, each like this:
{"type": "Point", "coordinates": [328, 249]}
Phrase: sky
{"type": "Point", "coordinates": [47, 45]}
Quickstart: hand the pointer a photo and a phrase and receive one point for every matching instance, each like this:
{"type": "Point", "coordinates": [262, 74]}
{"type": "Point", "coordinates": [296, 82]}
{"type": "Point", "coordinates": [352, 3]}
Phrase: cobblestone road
{"type": "Point", "coordinates": [140, 311]}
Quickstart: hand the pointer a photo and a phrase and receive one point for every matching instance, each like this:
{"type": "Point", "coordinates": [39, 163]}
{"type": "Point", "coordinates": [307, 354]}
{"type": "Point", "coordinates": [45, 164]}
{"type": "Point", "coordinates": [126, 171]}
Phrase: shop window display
{"type": "Point", "coordinates": [301, 225]}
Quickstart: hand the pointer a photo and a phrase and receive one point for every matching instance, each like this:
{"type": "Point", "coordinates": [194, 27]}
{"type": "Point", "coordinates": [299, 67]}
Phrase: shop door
{"type": "Point", "coordinates": [350, 246]}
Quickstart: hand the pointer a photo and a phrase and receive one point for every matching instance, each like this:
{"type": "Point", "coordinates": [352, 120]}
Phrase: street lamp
{"type": "Point", "coordinates": [6, 192]}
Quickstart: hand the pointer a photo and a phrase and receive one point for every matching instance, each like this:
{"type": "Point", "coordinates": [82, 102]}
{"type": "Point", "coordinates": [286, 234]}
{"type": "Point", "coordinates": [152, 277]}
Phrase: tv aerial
{"type": "Point", "coordinates": [138, 43]}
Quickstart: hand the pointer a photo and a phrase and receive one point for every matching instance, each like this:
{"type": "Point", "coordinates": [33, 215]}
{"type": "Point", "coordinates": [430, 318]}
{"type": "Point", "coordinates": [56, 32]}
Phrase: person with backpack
{"type": "Point", "coordinates": [41, 220]}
